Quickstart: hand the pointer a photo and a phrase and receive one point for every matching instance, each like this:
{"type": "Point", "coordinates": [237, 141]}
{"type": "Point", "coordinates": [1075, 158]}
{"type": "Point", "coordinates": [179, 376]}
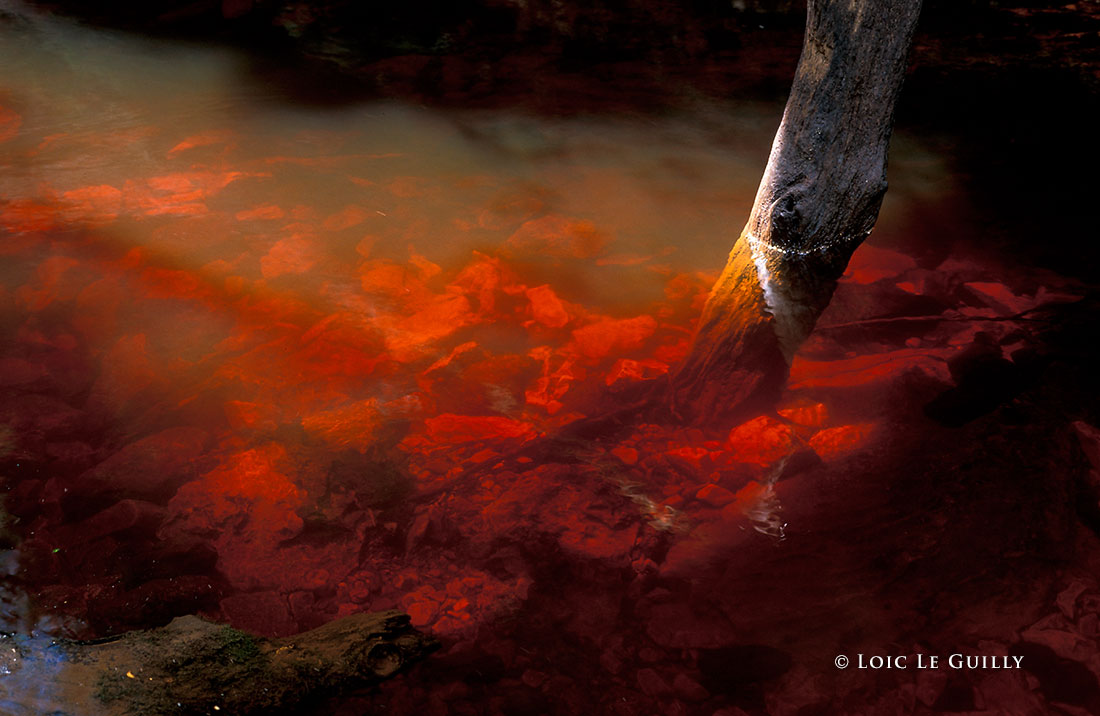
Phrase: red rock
{"type": "Point", "coordinates": [870, 369]}
{"type": "Point", "coordinates": [610, 335]}
{"type": "Point", "coordinates": [692, 455]}
{"type": "Point", "coordinates": [1067, 598]}
{"type": "Point", "coordinates": [417, 531]}
{"type": "Point", "coordinates": [546, 307]}
{"type": "Point", "coordinates": [56, 279]}
{"type": "Point", "coordinates": [833, 442]}
{"type": "Point", "coordinates": [559, 237]}
{"type": "Point", "coordinates": [242, 414]}
{"type": "Point", "coordinates": [292, 255]}
{"type": "Point", "coordinates": [123, 515]}
{"type": "Point", "coordinates": [611, 660]}
{"type": "Point", "coordinates": [715, 495]}
{"type": "Point", "coordinates": [811, 415]}
{"type": "Point", "coordinates": [126, 370]}
{"type": "Point", "coordinates": [422, 612]}
{"type": "Point", "coordinates": [98, 204]}
{"type": "Point", "coordinates": [870, 264]}
{"type": "Point", "coordinates": [629, 456]}
{"type": "Point", "coordinates": [761, 441]}
{"type": "Point", "coordinates": [483, 280]}
{"type": "Point", "coordinates": [629, 370]}
{"type": "Point", "coordinates": [37, 415]}
{"type": "Point", "coordinates": [16, 371]}
{"type": "Point", "coordinates": [155, 601]}
{"type": "Point", "coordinates": [533, 678]}
{"type": "Point", "coordinates": [673, 353]}
{"type": "Point", "coordinates": [1000, 297]}
{"type": "Point", "coordinates": [595, 541]}
{"type": "Point", "coordinates": [651, 683]}
{"type": "Point", "coordinates": [675, 625]}
{"type": "Point", "coordinates": [452, 429]}
{"type": "Point", "coordinates": [263, 613]}
{"type": "Point", "coordinates": [689, 689]}
{"type": "Point", "coordinates": [152, 467]}
{"type": "Point", "coordinates": [302, 608]}
{"type": "Point", "coordinates": [930, 684]}
{"type": "Point", "coordinates": [346, 218]}
{"type": "Point", "coordinates": [351, 425]}
{"type": "Point", "coordinates": [265, 212]}
{"type": "Point", "coordinates": [643, 565]}
{"type": "Point", "coordinates": [1089, 438]}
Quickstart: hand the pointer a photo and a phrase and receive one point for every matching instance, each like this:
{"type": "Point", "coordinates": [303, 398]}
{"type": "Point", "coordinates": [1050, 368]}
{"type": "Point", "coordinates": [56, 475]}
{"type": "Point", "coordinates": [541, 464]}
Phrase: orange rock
{"type": "Point", "coordinates": [346, 218]}
{"type": "Point", "coordinates": [204, 139]}
{"type": "Point", "coordinates": [26, 216]}
{"type": "Point", "coordinates": [609, 335]}
{"type": "Point", "coordinates": [449, 428]}
{"type": "Point", "coordinates": [347, 426]}
{"type": "Point", "coordinates": [268, 212]}
{"type": "Point", "coordinates": [291, 255]}
{"type": "Point", "coordinates": [546, 307]}
{"type": "Point", "coordinates": [95, 204]}
{"type": "Point", "coordinates": [628, 455]}
{"type": "Point", "coordinates": [560, 237]}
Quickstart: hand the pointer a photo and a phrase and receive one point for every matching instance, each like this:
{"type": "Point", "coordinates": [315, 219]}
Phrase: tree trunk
{"type": "Point", "coordinates": [193, 666]}
{"type": "Point", "coordinates": [818, 199]}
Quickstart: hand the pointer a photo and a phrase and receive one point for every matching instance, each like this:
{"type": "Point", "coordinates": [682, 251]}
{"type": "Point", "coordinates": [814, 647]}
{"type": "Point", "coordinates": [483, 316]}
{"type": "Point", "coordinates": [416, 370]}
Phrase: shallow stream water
{"type": "Point", "coordinates": [272, 363]}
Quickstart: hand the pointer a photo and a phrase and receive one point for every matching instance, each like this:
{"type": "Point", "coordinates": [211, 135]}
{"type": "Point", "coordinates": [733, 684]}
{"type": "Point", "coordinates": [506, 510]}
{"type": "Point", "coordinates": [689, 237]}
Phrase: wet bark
{"type": "Point", "coordinates": [192, 666]}
{"type": "Point", "coordinates": [818, 199]}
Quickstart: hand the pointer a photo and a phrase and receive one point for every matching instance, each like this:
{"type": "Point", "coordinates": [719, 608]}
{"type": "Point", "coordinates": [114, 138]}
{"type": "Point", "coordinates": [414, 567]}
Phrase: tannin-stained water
{"type": "Point", "coordinates": [277, 363]}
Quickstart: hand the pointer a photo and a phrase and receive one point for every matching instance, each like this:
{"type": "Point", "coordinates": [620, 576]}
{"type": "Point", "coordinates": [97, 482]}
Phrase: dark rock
{"type": "Point", "coordinates": [1061, 680]}
{"type": "Point", "coordinates": [725, 668]}
{"type": "Point", "coordinates": [689, 689]}
{"type": "Point", "coordinates": [264, 613]}
{"type": "Point", "coordinates": [152, 468]}
{"type": "Point", "coordinates": [651, 683]}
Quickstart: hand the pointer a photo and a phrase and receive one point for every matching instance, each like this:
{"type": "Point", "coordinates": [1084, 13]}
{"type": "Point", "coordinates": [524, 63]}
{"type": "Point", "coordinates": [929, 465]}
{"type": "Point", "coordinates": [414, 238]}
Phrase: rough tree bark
{"type": "Point", "coordinates": [193, 667]}
{"type": "Point", "coordinates": [818, 199]}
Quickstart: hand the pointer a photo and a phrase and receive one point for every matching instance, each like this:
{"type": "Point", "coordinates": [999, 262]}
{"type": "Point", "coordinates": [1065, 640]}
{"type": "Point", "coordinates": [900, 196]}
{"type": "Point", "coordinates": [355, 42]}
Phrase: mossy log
{"type": "Point", "coordinates": [192, 666]}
